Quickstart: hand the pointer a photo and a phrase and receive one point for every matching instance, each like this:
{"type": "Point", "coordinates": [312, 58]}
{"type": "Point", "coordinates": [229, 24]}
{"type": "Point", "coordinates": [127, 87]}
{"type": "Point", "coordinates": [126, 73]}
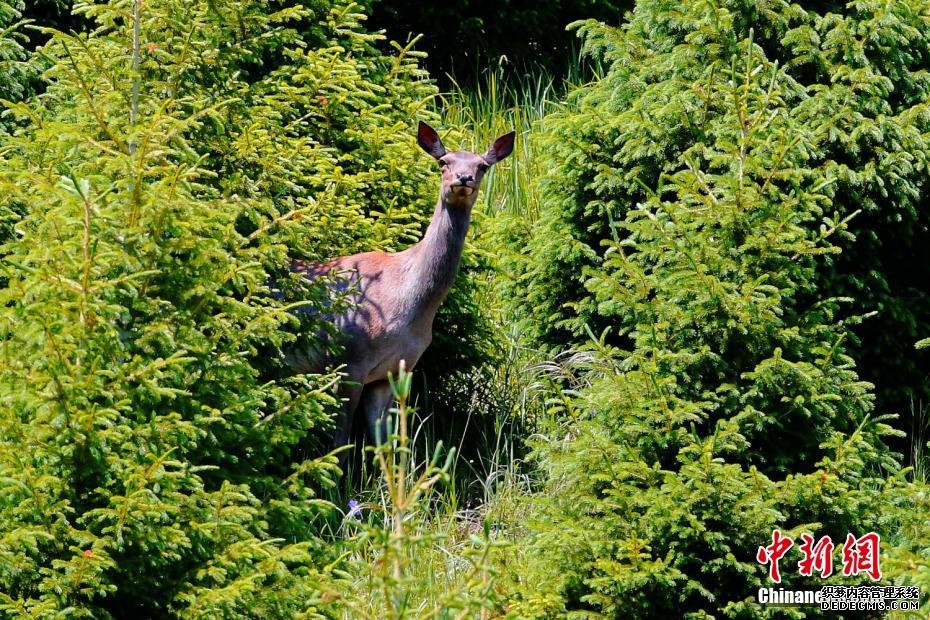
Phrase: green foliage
{"type": "Point", "coordinates": [858, 77]}
{"type": "Point", "coordinates": [689, 217]}
{"type": "Point", "coordinates": [18, 79]}
{"type": "Point", "coordinates": [399, 561]}
{"type": "Point", "coordinates": [147, 465]}
{"type": "Point", "coordinates": [906, 559]}
{"type": "Point", "coordinates": [491, 109]}
{"type": "Point", "coordinates": [702, 211]}
{"type": "Point", "coordinates": [15, 73]}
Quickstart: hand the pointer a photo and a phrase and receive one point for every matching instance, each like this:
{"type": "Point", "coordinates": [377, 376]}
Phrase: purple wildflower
{"type": "Point", "coordinates": [355, 509]}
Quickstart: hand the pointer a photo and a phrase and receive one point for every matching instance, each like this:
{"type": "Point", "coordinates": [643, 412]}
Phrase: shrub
{"type": "Point", "coordinates": [16, 75]}
{"type": "Point", "coordinates": [17, 80]}
{"type": "Point", "coordinates": [689, 216]}
{"type": "Point", "coordinates": [857, 77]}
{"type": "Point", "coordinates": [147, 465]}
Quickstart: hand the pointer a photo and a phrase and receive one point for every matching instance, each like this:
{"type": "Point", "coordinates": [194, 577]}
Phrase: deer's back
{"type": "Point", "coordinates": [380, 324]}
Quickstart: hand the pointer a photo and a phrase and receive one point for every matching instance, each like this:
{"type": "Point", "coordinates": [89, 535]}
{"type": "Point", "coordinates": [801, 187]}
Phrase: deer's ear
{"type": "Point", "coordinates": [429, 140]}
{"type": "Point", "coordinates": [501, 148]}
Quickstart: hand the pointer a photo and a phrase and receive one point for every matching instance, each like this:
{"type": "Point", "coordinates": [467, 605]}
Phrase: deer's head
{"type": "Point", "coordinates": [462, 171]}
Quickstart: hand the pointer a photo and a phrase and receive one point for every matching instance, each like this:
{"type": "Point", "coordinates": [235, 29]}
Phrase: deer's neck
{"type": "Point", "coordinates": [437, 255]}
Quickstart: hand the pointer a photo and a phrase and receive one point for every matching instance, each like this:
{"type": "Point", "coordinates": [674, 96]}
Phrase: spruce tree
{"type": "Point", "coordinates": [149, 462]}
{"type": "Point", "coordinates": [861, 73]}
{"type": "Point", "coordinates": [16, 74]}
{"type": "Point", "coordinates": [689, 219]}
{"type": "Point", "coordinates": [18, 79]}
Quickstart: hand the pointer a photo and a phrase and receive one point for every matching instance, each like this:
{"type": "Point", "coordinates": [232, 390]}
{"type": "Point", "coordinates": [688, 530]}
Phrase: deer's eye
{"type": "Point", "coordinates": [443, 164]}
{"type": "Point", "coordinates": [483, 168]}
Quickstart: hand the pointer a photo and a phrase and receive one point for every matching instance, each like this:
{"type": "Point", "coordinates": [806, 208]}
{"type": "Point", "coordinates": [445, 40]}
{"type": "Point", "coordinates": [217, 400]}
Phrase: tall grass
{"type": "Point", "coordinates": [492, 109]}
{"type": "Point", "coordinates": [919, 455]}
{"type": "Point", "coordinates": [414, 554]}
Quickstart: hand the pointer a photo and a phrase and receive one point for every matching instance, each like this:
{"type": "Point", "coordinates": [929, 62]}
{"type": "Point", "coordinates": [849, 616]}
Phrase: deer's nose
{"type": "Point", "coordinates": [464, 179]}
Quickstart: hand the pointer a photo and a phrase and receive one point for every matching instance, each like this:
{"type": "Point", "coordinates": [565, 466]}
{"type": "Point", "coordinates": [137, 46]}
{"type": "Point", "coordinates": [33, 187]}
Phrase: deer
{"type": "Point", "coordinates": [393, 297]}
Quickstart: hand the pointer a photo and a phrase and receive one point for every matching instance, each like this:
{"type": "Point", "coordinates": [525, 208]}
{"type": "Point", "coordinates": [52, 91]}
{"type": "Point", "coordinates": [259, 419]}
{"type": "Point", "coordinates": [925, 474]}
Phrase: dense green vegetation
{"type": "Point", "coordinates": [689, 309]}
{"type": "Point", "coordinates": [689, 210]}
{"type": "Point", "coordinates": [857, 80]}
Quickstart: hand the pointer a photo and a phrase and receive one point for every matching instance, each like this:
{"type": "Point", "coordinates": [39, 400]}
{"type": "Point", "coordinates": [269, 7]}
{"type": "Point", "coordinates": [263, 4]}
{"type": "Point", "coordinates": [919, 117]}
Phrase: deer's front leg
{"type": "Point", "coordinates": [376, 399]}
{"type": "Point", "coordinates": [350, 391]}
